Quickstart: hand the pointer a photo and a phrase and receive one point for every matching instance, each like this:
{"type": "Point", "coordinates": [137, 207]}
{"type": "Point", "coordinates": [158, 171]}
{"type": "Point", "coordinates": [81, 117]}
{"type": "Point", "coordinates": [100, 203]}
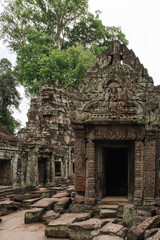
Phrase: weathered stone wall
{"type": "Point", "coordinates": [49, 136]}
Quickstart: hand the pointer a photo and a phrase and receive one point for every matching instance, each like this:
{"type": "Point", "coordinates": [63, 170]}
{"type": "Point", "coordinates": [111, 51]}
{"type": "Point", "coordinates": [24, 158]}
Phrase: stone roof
{"type": "Point", "coordinates": [6, 138]}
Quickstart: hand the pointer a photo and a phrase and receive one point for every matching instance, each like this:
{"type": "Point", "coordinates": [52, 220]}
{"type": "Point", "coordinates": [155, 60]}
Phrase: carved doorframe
{"type": "Point", "coordinates": [100, 183]}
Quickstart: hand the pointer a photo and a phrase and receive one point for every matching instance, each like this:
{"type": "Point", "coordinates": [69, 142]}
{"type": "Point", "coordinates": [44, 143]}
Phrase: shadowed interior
{"type": "Point", "coordinates": [116, 171]}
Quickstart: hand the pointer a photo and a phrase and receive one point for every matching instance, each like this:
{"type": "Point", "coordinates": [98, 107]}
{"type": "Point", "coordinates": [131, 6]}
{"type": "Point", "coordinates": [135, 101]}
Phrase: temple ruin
{"type": "Point", "coordinates": [106, 131]}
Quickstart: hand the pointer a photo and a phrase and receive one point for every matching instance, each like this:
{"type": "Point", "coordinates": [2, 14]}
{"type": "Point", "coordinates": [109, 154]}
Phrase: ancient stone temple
{"type": "Point", "coordinates": [116, 118]}
{"type": "Point", "coordinates": [49, 137]}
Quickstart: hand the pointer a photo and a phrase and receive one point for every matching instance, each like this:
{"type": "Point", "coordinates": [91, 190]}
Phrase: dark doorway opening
{"type": "Point", "coordinates": [115, 171]}
{"type": "Point", "coordinates": [5, 172]}
{"type": "Point", "coordinates": [57, 169]}
{"type": "Point", "coordinates": [42, 170]}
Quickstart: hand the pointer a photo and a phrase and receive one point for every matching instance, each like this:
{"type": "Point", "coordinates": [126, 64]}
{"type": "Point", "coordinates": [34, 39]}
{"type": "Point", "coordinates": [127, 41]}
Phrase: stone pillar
{"type": "Point", "coordinates": [90, 195]}
{"type": "Point", "coordinates": [149, 171]}
{"type": "Point", "coordinates": [52, 169]}
{"type": "Point", "coordinates": [32, 169]}
{"type": "Point", "coordinates": [79, 160]}
{"type": "Point", "coordinates": [138, 172]}
{"type": "Point", "coordinates": [47, 171]}
{"type": "Point", "coordinates": [157, 176]}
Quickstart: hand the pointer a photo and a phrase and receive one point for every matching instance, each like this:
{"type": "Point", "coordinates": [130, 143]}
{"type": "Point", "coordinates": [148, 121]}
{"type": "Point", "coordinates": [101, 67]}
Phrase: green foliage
{"type": "Point", "coordinates": [41, 61]}
{"type": "Point", "coordinates": [9, 96]}
{"type": "Point", "coordinates": [49, 17]}
{"type": "Point", "coordinates": [90, 33]}
{"type": "Point", "coordinates": [54, 40]}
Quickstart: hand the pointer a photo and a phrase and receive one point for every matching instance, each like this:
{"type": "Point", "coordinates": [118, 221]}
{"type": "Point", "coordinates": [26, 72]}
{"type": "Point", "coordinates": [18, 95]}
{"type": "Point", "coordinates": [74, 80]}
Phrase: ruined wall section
{"type": "Point", "coordinates": [11, 159]}
{"type": "Point", "coordinates": [49, 133]}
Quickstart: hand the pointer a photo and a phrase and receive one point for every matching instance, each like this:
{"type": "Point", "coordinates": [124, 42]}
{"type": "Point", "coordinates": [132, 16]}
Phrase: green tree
{"type": "Point", "coordinates": [91, 33]}
{"type": "Point", "coordinates": [51, 17]}
{"type": "Point", "coordinates": [41, 61]}
{"type": "Point", "coordinates": [9, 96]}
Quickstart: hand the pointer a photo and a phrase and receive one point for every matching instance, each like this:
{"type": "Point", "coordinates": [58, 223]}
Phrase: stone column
{"type": "Point", "coordinates": [90, 195]}
{"type": "Point", "coordinates": [157, 169]}
{"type": "Point", "coordinates": [79, 160]}
{"type": "Point", "coordinates": [149, 171]}
{"type": "Point", "coordinates": [47, 171]}
{"type": "Point", "coordinates": [32, 169]}
{"type": "Point", "coordinates": [52, 169]}
{"type": "Point", "coordinates": [138, 172]}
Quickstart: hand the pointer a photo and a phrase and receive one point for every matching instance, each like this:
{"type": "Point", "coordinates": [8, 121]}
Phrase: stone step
{"type": "Point", "coordinates": [107, 206]}
{"type": "Point", "coordinates": [108, 213]}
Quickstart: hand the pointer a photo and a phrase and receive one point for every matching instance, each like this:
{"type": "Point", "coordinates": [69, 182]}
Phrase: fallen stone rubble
{"type": "Point", "coordinates": [64, 218]}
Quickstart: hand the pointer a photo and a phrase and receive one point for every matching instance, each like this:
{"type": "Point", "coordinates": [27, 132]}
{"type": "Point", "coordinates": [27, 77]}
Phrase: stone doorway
{"type": "Point", "coordinates": [5, 172]}
{"type": "Point", "coordinates": [115, 161]}
{"type": "Point", "coordinates": [42, 171]}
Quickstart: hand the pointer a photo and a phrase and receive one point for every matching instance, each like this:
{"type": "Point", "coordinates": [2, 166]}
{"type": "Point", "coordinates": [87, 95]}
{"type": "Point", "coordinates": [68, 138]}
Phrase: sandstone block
{"type": "Point", "coordinates": [62, 204]}
{"type": "Point", "coordinates": [135, 233]}
{"type": "Point", "coordinates": [85, 229]}
{"type": "Point", "coordinates": [111, 228]}
{"type": "Point", "coordinates": [7, 207]}
{"type": "Point", "coordinates": [107, 237]}
{"type": "Point", "coordinates": [150, 233]}
{"type": "Point", "coordinates": [106, 206]}
{"type": "Point", "coordinates": [107, 213]}
{"type": "Point", "coordinates": [135, 221]}
{"type": "Point", "coordinates": [21, 197]}
{"type": "Point", "coordinates": [155, 237]}
{"type": "Point", "coordinates": [128, 213]}
{"type": "Point", "coordinates": [49, 216]}
{"type": "Point", "coordinates": [46, 203]}
{"type": "Point", "coordinates": [33, 215]}
{"type": "Point", "coordinates": [27, 203]}
{"type": "Point", "coordinates": [61, 195]}
{"type": "Point", "coordinates": [59, 227]}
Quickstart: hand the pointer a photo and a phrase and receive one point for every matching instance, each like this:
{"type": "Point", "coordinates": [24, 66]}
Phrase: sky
{"type": "Point", "coordinates": [138, 19]}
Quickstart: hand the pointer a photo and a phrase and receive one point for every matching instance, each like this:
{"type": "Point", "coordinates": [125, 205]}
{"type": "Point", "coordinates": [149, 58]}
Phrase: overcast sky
{"type": "Point", "coordinates": [139, 20]}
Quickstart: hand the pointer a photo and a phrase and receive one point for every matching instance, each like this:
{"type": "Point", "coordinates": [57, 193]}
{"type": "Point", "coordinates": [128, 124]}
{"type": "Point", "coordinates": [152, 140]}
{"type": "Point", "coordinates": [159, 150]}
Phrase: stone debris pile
{"type": "Point", "coordinates": [64, 218]}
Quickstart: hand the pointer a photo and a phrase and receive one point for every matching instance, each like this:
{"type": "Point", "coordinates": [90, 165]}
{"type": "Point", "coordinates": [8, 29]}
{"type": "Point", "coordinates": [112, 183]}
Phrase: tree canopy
{"type": "Point", "coordinates": [9, 96]}
{"type": "Point", "coordinates": [55, 40]}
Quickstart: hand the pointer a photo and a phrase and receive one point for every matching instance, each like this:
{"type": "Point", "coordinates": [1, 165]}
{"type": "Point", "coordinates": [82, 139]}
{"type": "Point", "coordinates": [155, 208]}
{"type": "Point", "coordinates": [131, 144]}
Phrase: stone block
{"type": "Point", "coordinates": [49, 216]}
{"type": "Point", "coordinates": [135, 233]}
{"type": "Point", "coordinates": [27, 203]}
{"type": "Point", "coordinates": [61, 195]}
{"type": "Point", "coordinates": [106, 206]}
{"type": "Point", "coordinates": [7, 207]}
{"type": "Point", "coordinates": [59, 227]}
{"type": "Point", "coordinates": [107, 237]}
{"type": "Point", "coordinates": [85, 229]}
{"type": "Point", "coordinates": [107, 213]}
{"type": "Point", "coordinates": [150, 233]}
{"type": "Point", "coordinates": [114, 229]}
{"type": "Point", "coordinates": [155, 237]}
{"type": "Point", "coordinates": [33, 215]}
{"type": "Point", "coordinates": [46, 203]}
{"type": "Point", "coordinates": [128, 213]}
{"type": "Point", "coordinates": [22, 197]}
{"type": "Point", "coordinates": [62, 204]}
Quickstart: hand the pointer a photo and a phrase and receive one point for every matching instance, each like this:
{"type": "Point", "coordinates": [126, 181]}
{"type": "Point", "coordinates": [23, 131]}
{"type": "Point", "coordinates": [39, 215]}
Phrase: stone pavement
{"type": "Point", "coordinates": [13, 227]}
